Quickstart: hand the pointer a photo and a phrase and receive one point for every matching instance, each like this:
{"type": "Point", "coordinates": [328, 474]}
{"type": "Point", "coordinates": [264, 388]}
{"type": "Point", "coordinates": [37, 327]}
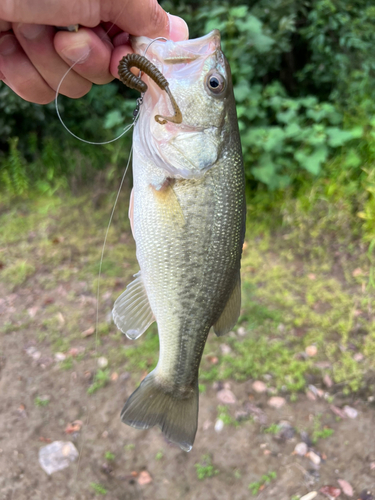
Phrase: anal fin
{"type": "Point", "coordinates": [231, 312]}
{"type": "Point", "coordinates": [132, 312]}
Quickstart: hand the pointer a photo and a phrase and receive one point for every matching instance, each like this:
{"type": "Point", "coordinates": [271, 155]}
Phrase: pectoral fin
{"type": "Point", "coordinates": [132, 312]}
{"type": "Point", "coordinates": [231, 311]}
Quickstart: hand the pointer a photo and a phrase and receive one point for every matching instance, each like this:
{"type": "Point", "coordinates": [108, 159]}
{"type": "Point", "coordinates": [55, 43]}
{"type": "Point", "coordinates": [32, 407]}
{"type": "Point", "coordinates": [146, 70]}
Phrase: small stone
{"type": "Point", "coordinates": [357, 272]}
{"type": "Point", "coordinates": [225, 349]}
{"type": "Point", "coordinates": [88, 332]}
{"type": "Point", "coordinates": [60, 356]}
{"type": "Point", "coordinates": [311, 350]}
{"type": "Point", "coordinates": [226, 397]}
{"type": "Point", "coordinates": [259, 386]}
{"type": "Point", "coordinates": [276, 402]}
{"type": "Point", "coordinates": [301, 449]}
{"type": "Point", "coordinates": [281, 328]}
{"type": "Point", "coordinates": [102, 362]}
{"type": "Point", "coordinates": [310, 396]}
{"type": "Point", "coordinates": [346, 487]}
{"type": "Point", "coordinates": [314, 457]}
{"type": "Point", "coordinates": [57, 456]}
{"type": "Point", "coordinates": [309, 496]}
{"type": "Point", "coordinates": [286, 431]}
{"type": "Point", "coordinates": [144, 478]}
{"type": "Point", "coordinates": [330, 491]}
{"type": "Point", "coordinates": [366, 495]}
{"type": "Point", "coordinates": [350, 412]}
{"type": "Point", "coordinates": [358, 357]}
{"type": "Point", "coordinates": [219, 425]}
{"type": "Point", "coordinates": [338, 411]}
{"type": "Point", "coordinates": [114, 377]}
{"type": "Point", "coordinates": [327, 380]}
{"type": "Point", "coordinates": [241, 331]}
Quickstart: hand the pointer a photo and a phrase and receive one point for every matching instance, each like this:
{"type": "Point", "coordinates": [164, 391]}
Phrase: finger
{"type": "Point", "coordinates": [117, 54]}
{"type": "Point", "coordinates": [5, 26]}
{"type": "Point", "coordinates": [90, 52]}
{"type": "Point", "coordinates": [52, 12]}
{"type": "Point", "coordinates": [20, 75]}
{"type": "Point", "coordinates": [37, 42]}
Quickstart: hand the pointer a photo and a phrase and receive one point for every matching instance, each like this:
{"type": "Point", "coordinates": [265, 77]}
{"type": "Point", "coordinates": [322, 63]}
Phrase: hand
{"type": "Point", "coordinates": [34, 57]}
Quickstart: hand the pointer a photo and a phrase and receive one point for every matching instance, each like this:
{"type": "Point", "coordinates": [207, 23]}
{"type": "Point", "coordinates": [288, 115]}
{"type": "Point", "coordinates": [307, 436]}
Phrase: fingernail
{"type": "Point", "coordinates": [77, 53]}
{"type": "Point", "coordinates": [178, 29]}
{"type": "Point", "coordinates": [8, 45]}
{"type": "Point", "coordinates": [31, 31]}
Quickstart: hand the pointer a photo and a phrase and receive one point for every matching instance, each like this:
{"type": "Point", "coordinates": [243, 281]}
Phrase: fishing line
{"type": "Point", "coordinates": [136, 115]}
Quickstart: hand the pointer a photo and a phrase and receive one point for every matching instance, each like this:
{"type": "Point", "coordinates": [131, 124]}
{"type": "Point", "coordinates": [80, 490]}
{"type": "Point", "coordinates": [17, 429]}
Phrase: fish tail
{"type": "Point", "coordinates": [176, 415]}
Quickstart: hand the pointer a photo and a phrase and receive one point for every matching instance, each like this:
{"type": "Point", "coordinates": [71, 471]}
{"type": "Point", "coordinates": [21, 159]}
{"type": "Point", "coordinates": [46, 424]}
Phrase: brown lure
{"type": "Point", "coordinates": [134, 82]}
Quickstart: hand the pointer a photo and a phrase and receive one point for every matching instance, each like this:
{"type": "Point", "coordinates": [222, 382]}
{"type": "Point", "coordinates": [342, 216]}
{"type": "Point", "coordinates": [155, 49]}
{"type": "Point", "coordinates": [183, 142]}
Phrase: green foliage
{"type": "Point", "coordinates": [224, 415]}
{"type": "Point", "coordinates": [263, 481]}
{"type": "Point", "coordinates": [320, 431]}
{"type": "Point", "coordinates": [101, 379]}
{"type": "Point", "coordinates": [41, 401]}
{"type": "Point", "coordinates": [109, 456]}
{"type": "Point", "coordinates": [205, 469]}
{"type": "Point", "coordinates": [98, 488]}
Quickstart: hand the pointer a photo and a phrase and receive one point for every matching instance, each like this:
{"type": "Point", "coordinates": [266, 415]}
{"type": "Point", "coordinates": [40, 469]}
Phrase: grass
{"type": "Point", "coordinates": [41, 401]}
{"type": "Point", "coordinates": [263, 481]}
{"type": "Point", "coordinates": [320, 431]}
{"type": "Point", "coordinates": [98, 488]}
{"type": "Point", "coordinates": [205, 469]}
{"type": "Point", "coordinates": [306, 276]}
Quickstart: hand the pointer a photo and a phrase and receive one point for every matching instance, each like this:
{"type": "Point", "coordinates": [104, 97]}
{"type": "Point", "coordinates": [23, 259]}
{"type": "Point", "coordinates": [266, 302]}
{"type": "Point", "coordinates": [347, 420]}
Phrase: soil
{"type": "Point", "coordinates": [241, 454]}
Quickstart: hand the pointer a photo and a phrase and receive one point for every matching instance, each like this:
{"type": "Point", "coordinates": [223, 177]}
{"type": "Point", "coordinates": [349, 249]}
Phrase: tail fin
{"type": "Point", "coordinates": [150, 405]}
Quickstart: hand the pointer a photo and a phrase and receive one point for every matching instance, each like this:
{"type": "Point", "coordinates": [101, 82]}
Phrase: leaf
{"type": "Point", "coordinates": [312, 162]}
{"type": "Point", "coordinates": [338, 137]}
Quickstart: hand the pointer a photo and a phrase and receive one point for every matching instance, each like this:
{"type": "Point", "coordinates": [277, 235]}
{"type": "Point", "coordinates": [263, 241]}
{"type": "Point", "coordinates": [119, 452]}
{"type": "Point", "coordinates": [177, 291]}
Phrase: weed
{"type": "Point", "coordinates": [98, 488]}
{"type": "Point", "coordinates": [320, 432]}
{"type": "Point", "coordinates": [224, 415]}
{"type": "Point", "coordinates": [159, 455]}
{"type": "Point", "coordinates": [41, 401]}
{"type": "Point", "coordinates": [205, 469]}
{"type": "Point", "coordinates": [101, 379]}
{"type": "Point", "coordinates": [263, 481]}
{"type": "Point", "coordinates": [109, 456]}
{"type": "Point", "coordinates": [272, 429]}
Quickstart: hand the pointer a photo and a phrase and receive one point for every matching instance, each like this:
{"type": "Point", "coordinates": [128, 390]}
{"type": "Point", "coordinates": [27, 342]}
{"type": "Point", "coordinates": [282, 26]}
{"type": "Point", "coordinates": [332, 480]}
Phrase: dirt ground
{"type": "Point", "coordinates": [42, 393]}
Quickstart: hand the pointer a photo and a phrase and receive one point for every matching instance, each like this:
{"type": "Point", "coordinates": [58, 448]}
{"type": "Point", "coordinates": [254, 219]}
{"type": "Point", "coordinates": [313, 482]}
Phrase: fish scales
{"type": "Point", "coordinates": [188, 223]}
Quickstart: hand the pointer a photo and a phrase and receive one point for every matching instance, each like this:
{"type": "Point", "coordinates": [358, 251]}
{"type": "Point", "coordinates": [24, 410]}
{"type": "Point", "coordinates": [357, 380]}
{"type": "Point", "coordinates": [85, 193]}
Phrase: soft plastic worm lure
{"type": "Point", "coordinates": [134, 82]}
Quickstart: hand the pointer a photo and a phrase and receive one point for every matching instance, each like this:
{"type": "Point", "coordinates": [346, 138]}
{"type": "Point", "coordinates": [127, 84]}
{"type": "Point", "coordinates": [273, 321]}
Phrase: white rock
{"type": "Point", "coordinates": [225, 349]}
{"type": "Point", "coordinates": [276, 402]}
{"type": "Point", "coordinates": [57, 456]}
{"type": "Point", "coordinates": [309, 496]}
{"type": "Point", "coordinates": [259, 386]}
{"type": "Point", "coordinates": [314, 458]}
{"type": "Point", "coordinates": [219, 425]}
{"type": "Point", "coordinates": [241, 331]}
{"type": "Point", "coordinates": [350, 412]}
{"type": "Point", "coordinates": [301, 449]}
{"type": "Point", "coordinates": [102, 362]}
{"type": "Point", "coordinates": [60, 356]}
{"type": "Point", "coordinates": [226, 397]}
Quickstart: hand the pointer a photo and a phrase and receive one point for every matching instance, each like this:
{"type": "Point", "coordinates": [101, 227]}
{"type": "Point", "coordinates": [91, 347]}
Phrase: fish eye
{"type": "Point", "coordinates": [215, 83]}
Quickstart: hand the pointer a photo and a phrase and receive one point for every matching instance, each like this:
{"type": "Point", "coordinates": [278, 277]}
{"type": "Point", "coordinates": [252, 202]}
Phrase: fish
{"type": "Point", "coordinates": [187, 212]}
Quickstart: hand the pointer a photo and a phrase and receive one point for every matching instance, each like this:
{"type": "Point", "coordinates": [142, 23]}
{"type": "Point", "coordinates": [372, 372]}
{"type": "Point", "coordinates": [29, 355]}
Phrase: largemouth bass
{"type": "Point", "coordinates": [187, 214]}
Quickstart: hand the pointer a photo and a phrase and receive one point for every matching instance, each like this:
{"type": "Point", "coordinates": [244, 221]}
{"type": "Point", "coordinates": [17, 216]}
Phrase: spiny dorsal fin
{"type": "Point", "coordinates": [132, 312]}
{"type": "Point", "coordinates": [231, 311]}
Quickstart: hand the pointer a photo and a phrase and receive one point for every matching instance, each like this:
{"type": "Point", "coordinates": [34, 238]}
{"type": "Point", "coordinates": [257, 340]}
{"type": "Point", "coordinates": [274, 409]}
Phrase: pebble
{"type": "Point", "coordinates": [226, 397]}
{"type": "Point", "coordinates": [57, 456]}
{"type": "Point", "coordinates": [346, 487]}
{"type": "Point", "coordinates": [102, 362]}
{"type": "Point", "coordinates": [60, 356]}
{"type": "Point", "coordinates": [311, 350]}
{"type": "Point", "coordinates": [327, 380]}
{"type": "Point", "coordinates": [350, 412]}
{"type": "Point", "coordinates": [314, 457]}
{"type": "Point", "coordinates": [219, 425]}
{"type": "Point", "coordinates": [259, 386]}
{"type": "Point", "coordinates": [301, 449]}
{"type": "Point", "coordinates": [225, 349]}
{"type": "Point", "coordinates": [241, 331]}
{"type": "Point", "coordinates": [330, 491]}
{"type": "Point", "coordinates": [276, 402]}
{"type": "Point", "coordinates": [144, 478]}
{"type": "Point", "coordinates": [309, 496]}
